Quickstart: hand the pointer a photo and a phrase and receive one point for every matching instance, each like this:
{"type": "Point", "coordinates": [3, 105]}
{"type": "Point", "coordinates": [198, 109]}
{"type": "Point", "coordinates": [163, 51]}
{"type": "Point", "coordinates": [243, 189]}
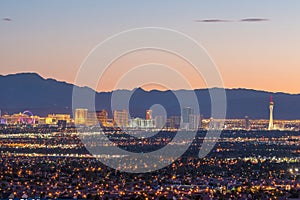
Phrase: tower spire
{"type": "Point", "coordinates": [271, 125]}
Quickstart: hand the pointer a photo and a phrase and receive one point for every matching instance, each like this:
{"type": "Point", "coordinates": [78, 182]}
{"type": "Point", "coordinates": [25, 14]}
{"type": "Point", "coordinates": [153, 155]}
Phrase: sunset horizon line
{"type": "Point", "coordinates": [149, 90]}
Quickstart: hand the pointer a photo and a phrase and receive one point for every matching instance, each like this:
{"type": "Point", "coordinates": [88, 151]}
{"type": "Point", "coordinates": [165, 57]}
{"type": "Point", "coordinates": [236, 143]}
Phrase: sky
{"type": "Point", "coordinates": [255, 44]}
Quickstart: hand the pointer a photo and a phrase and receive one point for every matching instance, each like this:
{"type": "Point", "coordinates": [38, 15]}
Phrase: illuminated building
{"type": "Point", "coordinates": [102, 117]}
{"type": "Point", "coordinates": [22, 118]}
{"type": "Point", "coordinates": [194, 122]}
{"type": "Point", "coordinates": [141, 123]}
{"type": "Point", "coordinates": [202, 122]}
{"type": "Point", "coordinates": [15, 119]}
{"type": "Point", "coordinates": [54, 118]}
{"type": "Point", "coordinates": [65, 117]}
{"type": "Point", "coordinates": [149, 123]}
{"type": "Point", "coordinates": [81, 116]}
{"type": "Point", "coordinates": [91, 118]}
{"type": "Point", "coordinates": [50, 119]}
{"type": "Point", "coordinates": [271, 126]}
{"type": "Point", "coordinates": [216, 124]}
{"type": "Point", "coordinates": [110, 122]}
{"type": "Point", "coordinates": [174, 122]}
{"type": "Point", "coordinates": [247, 123]}
{"type": "Point", "coordinates": [148, 114]}
{"type": "Point", "coordinates": [121, 118]}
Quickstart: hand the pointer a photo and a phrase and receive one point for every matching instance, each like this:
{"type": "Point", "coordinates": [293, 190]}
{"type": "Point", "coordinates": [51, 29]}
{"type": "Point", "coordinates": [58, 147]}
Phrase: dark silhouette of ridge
{"type": "Point", "coordinates": [30, 91]}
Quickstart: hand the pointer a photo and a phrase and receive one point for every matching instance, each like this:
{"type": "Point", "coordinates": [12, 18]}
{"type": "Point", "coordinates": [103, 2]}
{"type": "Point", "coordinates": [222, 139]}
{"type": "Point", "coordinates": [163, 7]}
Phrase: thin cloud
{"type": "Point", "coordinates": [7, 19]}
{"type": "Point", "coordinates": [212, 20]}
{"type": "Point", "coordinates": [254, 20]}
{"type": "Point", "coordinates": [225, 20]}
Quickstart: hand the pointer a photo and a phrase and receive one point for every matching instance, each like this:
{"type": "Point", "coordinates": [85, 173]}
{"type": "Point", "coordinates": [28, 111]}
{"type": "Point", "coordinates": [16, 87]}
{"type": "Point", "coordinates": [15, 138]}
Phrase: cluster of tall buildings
{"type": "Point", "coordinates": [28, 118]}
{"type": "Point", "coordinates": [120, 118]}
{"type": "Point", "coordinates": [89, 118]}
{"type": "Point", "coordinates": [187, 121]}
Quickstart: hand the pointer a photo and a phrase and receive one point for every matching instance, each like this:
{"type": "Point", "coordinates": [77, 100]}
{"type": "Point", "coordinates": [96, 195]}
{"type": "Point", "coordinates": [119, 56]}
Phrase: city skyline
{"type": "Point", "coordinates": [150, 99]}
{"type": "Point", "coordinates": [256, 50]}
{"type": "Point", "coordinates": [122, 119]}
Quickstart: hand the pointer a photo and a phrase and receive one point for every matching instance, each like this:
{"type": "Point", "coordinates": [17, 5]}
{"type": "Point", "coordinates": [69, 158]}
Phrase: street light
{"type": "Point", "coordinates": [294, 171]}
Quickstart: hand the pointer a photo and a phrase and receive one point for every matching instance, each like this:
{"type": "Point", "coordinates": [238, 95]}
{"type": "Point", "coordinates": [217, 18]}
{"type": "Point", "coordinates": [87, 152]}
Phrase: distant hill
{"type": "Point", "coordinates": [29, 91]}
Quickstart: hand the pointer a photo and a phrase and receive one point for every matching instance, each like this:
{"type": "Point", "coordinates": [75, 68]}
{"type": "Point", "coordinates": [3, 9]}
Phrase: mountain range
{"type": "Point", "coordinates": [30, 91]}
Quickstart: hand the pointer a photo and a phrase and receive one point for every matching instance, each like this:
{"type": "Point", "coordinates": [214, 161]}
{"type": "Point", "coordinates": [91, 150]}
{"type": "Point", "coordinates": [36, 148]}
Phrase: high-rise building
{"type": "Point", "coordinates": [247, 123]}
{"type": "Point", "coordinates": [81, 116]}
{"type": "Point", "coordinates": [194, 122]}
{"type": "Point", "coordinates": [173, 122]}
{"type": "Point", "coordinates": [91, 118]}
{"type": "Point", "coordinates": [186, 112]}
{"type": "Point", "coordinates": [271, 125]}
{"type": "Point", "coordinates": [102, 117]}
{"type": "Point", "coordinates": [121, 118]}
{"type": "Point", "coordinates": [148, 114]}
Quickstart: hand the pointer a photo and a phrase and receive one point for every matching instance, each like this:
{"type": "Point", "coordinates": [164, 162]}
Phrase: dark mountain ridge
{"type": "Point", "coordinates": [29, 91]}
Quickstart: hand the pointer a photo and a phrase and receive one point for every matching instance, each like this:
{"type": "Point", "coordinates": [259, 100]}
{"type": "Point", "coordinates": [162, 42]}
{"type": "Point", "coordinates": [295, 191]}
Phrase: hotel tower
{"type": "Point", "coordinates": [271, 126]}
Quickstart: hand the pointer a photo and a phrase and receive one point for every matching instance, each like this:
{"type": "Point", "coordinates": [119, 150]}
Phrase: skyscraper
{"type": "Point", "coordinates": [186, 112]}
{"type": "Point", "coordinates": [194, 122]}
{"type": "Point", "coordinates": [121, 118]}
{"type": "Point", "coordinates": [102, 117]}
{"type": "Point", "coordinates": [91, 118]}
{"type": "Point", "coordinates": [148, 114]}
{"type": "Point", "coordinates": [174, 122]}
{"type": "Point", "coordinates": [247, 123]}
{"type": "Point", "coordinates": [81, 116]}
{"type": "Point", "coordinates": [271, 126]}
